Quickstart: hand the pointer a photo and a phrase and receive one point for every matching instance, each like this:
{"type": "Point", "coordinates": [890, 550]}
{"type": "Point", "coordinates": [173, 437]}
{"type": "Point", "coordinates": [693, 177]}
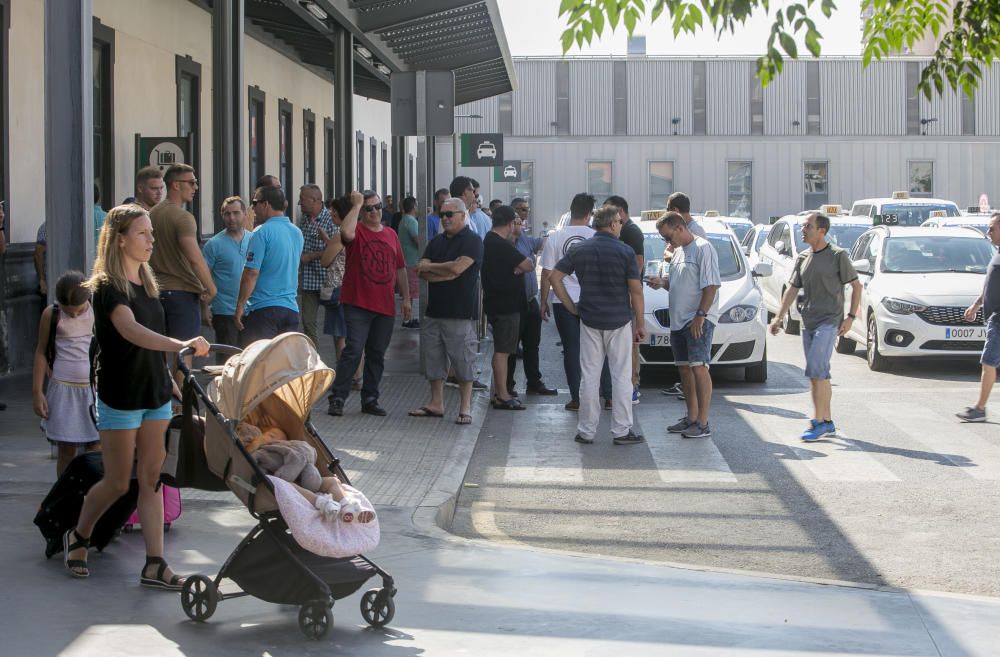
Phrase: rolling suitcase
{"type": "Point", "coordinates": [60, 509]}
{"type": "Point", "coordinates": [171, 510]}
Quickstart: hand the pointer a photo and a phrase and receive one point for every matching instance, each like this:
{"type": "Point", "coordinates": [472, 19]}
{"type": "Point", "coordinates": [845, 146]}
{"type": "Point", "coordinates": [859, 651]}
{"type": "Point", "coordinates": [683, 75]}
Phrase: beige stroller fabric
{"type": "Point", "coordinates": [271, 383]}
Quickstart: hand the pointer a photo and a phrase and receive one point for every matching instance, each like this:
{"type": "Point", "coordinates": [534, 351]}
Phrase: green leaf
{"type": "Point", "coordinates": [597, 18]}
{"type": "Point", "coordinates": [812, 43]}
{"type": "Point", "coordinates": [658, 9]}
{"type": "Point", "coordinates": [567, 40]}
{"type": "Point", "coordinates": [568, 5]}
{"type": "Point", "coordinates": [788, 44]}
{"type": "Point", "coordinates": [631, 15]}
{"type": "Point", "coordinates": [588, 31]}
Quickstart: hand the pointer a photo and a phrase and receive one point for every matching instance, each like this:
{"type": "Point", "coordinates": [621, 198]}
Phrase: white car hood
{"type": "Point", "coordinates": [731, 293]}
{"type": "Point", "coordinates": [937, 289]}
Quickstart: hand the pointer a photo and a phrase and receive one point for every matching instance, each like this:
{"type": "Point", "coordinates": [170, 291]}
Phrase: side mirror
{"type": "Point", "coordinates": [863, 266]}
{"type": "Point", "coordinates": [762, 269]}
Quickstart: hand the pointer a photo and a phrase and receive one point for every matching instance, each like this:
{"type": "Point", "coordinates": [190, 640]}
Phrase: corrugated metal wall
{"type": "Point", "coordinates": [658, 91]}
{"type": "Point", "coordinates": [488, 108]}
{"type": "Point", "coordinates": [946, 108]}
{"type": "Point", "coordinates": [591, 97]}
{"type": "Point", "coordinates": [785, 101]}
{"type": "Point", "coordinates": [534, 102]}
{"type": "Point", "coordinates": [988, 103]}
{"type": "Point", "coordinates": [728, 97]}
{"type": "Point", "coordinates": [863, 102]}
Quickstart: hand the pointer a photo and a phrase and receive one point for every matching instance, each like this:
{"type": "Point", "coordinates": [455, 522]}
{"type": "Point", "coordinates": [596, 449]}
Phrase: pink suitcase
{"type": "Point", "coordinates": [171, 510]}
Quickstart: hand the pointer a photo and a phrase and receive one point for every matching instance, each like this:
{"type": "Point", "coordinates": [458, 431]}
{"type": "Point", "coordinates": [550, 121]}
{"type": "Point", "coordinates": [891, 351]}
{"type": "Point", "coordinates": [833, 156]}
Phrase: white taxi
{"type": "Point", "coordinates": [739, 225]}
{"type": "Point", "coordinates": [909, 211]}
{"type": "Point", "coordinates": [784, 244]}
{"type": "Point", "coordinates": [916, 284]}
{"type": "Point", "coordinates": [740, 337]}
{"type": "Point", "coordinates": [978, 221]}
{"type": "Point", "coordinates": [753, 241]}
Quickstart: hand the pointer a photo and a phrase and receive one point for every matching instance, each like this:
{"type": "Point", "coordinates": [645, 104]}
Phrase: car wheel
{"type": "Point", "coordinates": [757, 373]}
{"type": "Point", "coordinates": [876, 361]}
{"type": "Point", "coordinates": [789, 325]}
{"type": "Point", "coordinates": [846, 345]}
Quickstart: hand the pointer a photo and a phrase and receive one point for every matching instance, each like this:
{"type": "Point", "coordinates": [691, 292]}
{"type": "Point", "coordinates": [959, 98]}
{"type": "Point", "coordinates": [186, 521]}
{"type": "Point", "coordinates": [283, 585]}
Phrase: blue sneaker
{"type": "Point", "coordinates": [818, 430]}
{"type": "Point", "coordinates": [635, 395]}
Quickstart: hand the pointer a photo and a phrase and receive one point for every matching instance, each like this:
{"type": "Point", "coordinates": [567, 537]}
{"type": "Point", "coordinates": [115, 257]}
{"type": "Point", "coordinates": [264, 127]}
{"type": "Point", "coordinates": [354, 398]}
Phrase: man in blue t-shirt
{"type": "Point", "coordinates": [434, 218]}
{"type": "Point", "coordinates": [271, 274]}
{"type": "Point", "coordinates": [225, 255]}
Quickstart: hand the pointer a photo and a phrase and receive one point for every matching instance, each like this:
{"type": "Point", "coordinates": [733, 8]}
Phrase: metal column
{"type": "Point", "coordinates": [229, 155]}
{"type": "Point", "coordinates": [343, 89]}
{"type": "Point", "coordinates": [69, 137]}
{"type": "Point", "coordinates": [399, 169]}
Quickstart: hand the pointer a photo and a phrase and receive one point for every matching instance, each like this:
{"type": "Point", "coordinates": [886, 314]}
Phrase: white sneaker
{"type": "Point", "coordinates": [327, 506]}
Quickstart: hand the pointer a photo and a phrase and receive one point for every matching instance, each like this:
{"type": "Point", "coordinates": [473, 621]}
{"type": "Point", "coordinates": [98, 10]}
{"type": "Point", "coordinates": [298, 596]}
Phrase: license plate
{"type": "Point", "coordinates": [971, 333]}
{"type": "Point", "coordinates": [659, 340]}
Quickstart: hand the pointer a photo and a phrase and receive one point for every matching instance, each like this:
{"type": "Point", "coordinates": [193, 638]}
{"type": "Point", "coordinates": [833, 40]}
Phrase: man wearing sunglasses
{"type": "Point", "coordinates": [177, 261]}
{"type": "Point", "coordinates": [375, 266]}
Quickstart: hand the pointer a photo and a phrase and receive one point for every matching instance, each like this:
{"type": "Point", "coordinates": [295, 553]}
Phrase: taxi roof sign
{"type": "Point", "coordinates": [711, 213]}
{"type": "Point", "coordinates": [832, 209]}
{"type": "Point", "coordinates": [896, 196]}
{"type": "Point", "coordinates": [651, 215]}
{"type": "Point", "coordinates": [938, 213]}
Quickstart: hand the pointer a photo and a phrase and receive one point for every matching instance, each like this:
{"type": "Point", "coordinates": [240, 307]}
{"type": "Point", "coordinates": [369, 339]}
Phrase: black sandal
{"type": "Point", "coordinates": [175, 583]}
{"type": "Point", "coordinates": [76, 567]}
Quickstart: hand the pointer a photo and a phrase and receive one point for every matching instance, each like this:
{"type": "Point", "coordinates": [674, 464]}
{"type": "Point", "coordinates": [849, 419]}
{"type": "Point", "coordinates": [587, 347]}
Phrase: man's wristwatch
{"type": "Point", "coordinates": [700, 313]}
{"type": "Point", "coordinates": [852, 315]}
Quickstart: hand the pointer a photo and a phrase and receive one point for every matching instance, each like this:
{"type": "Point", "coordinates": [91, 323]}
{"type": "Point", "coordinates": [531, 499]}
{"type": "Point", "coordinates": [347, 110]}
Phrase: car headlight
{"type": "Point", "coordinates": [900, 307]}
{"type": "Point", "coordinates": [738, 315]}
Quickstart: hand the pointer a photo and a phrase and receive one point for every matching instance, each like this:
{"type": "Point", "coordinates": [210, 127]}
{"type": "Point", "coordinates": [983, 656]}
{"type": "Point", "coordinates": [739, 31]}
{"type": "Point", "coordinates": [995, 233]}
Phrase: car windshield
{"type": "Point", "coordinates": [935, 253]}
{"type": "Point", "coordinates": [914, 214]}
{"type": "Point", "coordinates": [741, 230]}
{"type": "Point", "coordinates": [730, 263]}
{"type": "Point", "coordinates": [982, 228]}
{"type": "Point", "coordinates": [842, 235]}
{"type": "Point", "coordinates": [761, 238]}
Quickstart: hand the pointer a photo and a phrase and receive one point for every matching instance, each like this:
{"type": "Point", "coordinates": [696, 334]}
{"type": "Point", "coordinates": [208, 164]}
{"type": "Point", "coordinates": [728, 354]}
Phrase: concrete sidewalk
{"type": "Point", "coordinates": [456, 596]}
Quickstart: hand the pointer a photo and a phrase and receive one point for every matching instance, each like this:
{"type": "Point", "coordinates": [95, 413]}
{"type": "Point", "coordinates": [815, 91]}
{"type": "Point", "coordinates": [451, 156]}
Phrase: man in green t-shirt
{"type": "Point", "coordinates": [821, 273]}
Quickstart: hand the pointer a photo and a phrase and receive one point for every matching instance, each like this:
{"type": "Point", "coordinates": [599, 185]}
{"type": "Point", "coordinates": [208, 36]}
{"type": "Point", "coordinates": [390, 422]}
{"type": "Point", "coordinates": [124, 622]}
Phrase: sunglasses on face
{"type": "Point", "coordinates": [255, 202]}
{"type": "Point", "coordinates": [448, 214]}
{"type": "Point", "coordinates": [369, 208]}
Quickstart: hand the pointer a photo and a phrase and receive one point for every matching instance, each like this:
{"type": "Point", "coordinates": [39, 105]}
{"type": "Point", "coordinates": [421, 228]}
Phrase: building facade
{"type": "Point", "coordinates": [825, 131]}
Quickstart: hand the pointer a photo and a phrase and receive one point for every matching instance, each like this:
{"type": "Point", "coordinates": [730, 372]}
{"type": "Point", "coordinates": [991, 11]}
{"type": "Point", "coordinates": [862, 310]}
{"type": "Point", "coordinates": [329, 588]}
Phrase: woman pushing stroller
{"type": "Point", "coordinates": [134, 389]}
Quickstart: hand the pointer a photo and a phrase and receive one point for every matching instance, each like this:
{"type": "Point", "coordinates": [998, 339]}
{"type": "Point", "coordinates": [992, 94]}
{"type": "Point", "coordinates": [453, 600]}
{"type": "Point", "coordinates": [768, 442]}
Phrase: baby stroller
{"type": "Point", "coordinates": [280, 379]}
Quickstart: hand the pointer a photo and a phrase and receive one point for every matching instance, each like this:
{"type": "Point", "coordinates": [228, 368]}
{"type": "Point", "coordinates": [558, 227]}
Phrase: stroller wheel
{"type": "Point", "coordinates": [199, 598]}
{"type": "Point", "coordinates": [315, 619]}
{"type": "Point", "coordinates": [377, 607]}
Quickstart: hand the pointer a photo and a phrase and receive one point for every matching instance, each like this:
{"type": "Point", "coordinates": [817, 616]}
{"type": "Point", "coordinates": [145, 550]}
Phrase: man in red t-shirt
{"type": "Point", "coordinates": [375, 267]}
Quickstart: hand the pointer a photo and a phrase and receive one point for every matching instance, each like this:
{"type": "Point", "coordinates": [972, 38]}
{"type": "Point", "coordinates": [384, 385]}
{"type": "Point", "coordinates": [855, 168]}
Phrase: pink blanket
{"type": "Point", "coordinates": [325, 536]}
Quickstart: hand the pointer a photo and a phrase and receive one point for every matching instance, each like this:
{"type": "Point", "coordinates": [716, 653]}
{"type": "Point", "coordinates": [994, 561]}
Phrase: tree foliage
{"type": "Point", "coordinates": [967, 31]}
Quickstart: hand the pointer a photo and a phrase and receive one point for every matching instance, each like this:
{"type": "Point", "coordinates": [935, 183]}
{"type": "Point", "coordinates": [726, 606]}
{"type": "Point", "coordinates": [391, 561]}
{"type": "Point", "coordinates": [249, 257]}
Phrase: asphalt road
{"type": "Point", "coordinates": [905, 495]}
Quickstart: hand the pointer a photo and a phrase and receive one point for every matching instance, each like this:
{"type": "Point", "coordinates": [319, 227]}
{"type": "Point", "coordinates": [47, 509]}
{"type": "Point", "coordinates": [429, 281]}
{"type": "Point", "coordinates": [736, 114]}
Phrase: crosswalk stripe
{"type": "Point", "coordinates": [833, 459]}
{"type": "Point", "coordinates": [948, 437]}
{"type": "Point", "coordinates": [540, 450]}
{"type": "Point", "coordinates": [679, 460]}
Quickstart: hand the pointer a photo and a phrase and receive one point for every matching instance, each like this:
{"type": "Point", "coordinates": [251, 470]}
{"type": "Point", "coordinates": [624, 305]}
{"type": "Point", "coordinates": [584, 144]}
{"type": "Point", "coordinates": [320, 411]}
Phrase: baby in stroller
{"type": "Point", "coordinates": [294, 461]}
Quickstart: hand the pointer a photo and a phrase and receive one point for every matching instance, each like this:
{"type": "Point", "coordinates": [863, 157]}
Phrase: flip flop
{"type": "Point", "coordinates": [463, 418]}
{"type": "Point", "coordinates": [512, 404]}
{"type": "Point", "coordinates": [423, 411]}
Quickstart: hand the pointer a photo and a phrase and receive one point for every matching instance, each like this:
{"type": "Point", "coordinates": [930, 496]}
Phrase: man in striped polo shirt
{"type": "Point", "coordinates": [610, 311]}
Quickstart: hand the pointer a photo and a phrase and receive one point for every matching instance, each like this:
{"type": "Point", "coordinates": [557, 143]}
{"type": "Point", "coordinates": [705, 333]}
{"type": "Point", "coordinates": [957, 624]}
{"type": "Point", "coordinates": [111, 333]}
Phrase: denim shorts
{"type": "Point", "coordinates": [817, 344]}
{"type": "Point", "coordinates": [991, 350]}
{"type": "Point", "coordinates": [181, 313]}
{"type": "Point", "coordinates": [690, 351]}
{"type": "Point", "coordinates": [111, 419]}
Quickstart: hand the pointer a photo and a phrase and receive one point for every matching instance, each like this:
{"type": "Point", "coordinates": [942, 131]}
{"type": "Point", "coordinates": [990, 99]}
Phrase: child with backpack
{"type": "Point", "coordinates": [64, 354]}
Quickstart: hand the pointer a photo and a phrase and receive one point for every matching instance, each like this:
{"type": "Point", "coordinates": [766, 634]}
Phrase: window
{"type": "Point", "coordinates": [188, 78]}
{"type": "Point", "coordinates": [505, 113]}
{"type": "Point", "coordinates": [385, 174]}
{"type": "Point", "coordinates": [562, 98]}
{"type": "Point", "coordinates": [285, 148]}
{"type": "Point", "coordinates": [255, 107]}
{"type": "Point", "coordinates": [599, 180]}
{"type": "Point", "coordinates": [329, 143]}
{"type": "Point", "coordinates": [756, 107]}
{"type": "Point", "coordinates": [861, 210]}
{"type": "Point", "coordinates": [698, 117]}
{"type": "Point", "coordinates": [373, 163]}
{"type": "Point", "coordinates": [308, 148]}
{"type": "Point", "coordinates": [620, 83]}
{"type": "Point", "coordinates": [816, 180]}
{"type": "Point", "coordinates": [812, 99]}
{"type": "Point", "coordinates": [104, 118]}
{"type": "Point", "coordinates": [360, 150]}
{"type": "Point", "coordinates": [913, 122]}
{"type": "Point", "coordinates": [968, 114]}
{"type": "Point", "coordinates": [661, 184]}
{"type": "Point", "coordinates": [740, 189]}
{"type": "Point", "coordinates": [526, 187]}
{"type": "Point", "coordinates": [412, 179]}
{"type": "Point", "coordinates": [921, 179]}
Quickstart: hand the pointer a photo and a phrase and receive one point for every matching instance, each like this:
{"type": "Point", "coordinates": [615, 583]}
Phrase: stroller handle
{"type": "Point", "coordinates": [223, 349]}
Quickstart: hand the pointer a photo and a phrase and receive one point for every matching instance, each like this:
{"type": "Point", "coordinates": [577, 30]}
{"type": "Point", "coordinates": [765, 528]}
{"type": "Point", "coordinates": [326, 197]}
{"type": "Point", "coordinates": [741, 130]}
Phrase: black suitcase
{"type": "Point", "coordinates": [61, 507]}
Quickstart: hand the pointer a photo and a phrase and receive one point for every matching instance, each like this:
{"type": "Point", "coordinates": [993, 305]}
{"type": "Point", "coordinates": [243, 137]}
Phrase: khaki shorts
{"type": "Point", "coordinates": [448, 340]}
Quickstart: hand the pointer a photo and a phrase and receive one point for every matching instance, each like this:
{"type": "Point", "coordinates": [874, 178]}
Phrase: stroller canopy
{"type": "Point", "coordinates": [286, 366]}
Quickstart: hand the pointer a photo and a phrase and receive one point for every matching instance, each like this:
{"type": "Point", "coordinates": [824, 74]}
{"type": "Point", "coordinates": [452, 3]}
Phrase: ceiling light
{"type": "Point", "coordinates": [315, 10]}
{"type": "Point", "coordinates": [383, 69]}
{"type": "Point", "coordinates": [364, 52]}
